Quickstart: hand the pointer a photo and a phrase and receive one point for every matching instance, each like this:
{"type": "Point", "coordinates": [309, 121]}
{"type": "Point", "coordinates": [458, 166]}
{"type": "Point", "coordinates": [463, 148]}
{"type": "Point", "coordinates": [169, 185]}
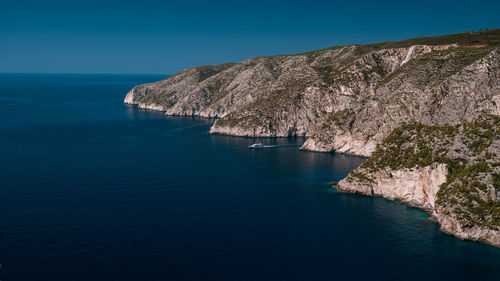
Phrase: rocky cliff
{"type": "Point", "coordinates": [349, 99]}
{"type": "Point", "coordinates": [345, 98]}
{"type": "Point", "coordinates": [452, 172]}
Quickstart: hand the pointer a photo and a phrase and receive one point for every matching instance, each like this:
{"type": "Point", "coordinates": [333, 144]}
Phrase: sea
{"type": "Point", "coordinates": [93, 189]}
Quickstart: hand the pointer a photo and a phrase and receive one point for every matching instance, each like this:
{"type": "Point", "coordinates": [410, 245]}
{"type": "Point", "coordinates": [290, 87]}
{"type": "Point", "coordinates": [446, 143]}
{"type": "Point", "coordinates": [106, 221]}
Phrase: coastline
{"type": "Point", "coordinates": [433, 177]}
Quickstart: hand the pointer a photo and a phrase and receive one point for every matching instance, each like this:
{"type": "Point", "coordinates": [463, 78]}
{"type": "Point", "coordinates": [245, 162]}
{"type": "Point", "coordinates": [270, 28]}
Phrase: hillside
{"type": "Point", "coordinates": [345, 98]}
{"type": "Point", "coordinates": [412, 105]}
{"type": "Point", "coordinates": [452, 172]}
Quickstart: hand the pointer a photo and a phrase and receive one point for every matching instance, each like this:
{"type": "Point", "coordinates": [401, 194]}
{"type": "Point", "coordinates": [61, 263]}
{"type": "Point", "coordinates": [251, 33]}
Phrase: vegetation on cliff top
{"type": "Point", "coordinates": [490, 37]}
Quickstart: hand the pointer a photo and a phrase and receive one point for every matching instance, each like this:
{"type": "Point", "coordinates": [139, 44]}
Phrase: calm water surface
{"type": "Point", "coordinates": [91, 189]}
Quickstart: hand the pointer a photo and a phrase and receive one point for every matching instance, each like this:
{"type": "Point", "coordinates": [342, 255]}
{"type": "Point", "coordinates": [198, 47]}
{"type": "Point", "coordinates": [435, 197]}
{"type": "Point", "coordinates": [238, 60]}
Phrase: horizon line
{"type": "Point", "coordinates": [82, 73]}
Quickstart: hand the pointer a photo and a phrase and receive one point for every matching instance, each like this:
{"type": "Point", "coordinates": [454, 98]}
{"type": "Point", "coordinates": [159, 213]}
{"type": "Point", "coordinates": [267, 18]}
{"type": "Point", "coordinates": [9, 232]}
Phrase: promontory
{"type": "Point", "coordinates": [425, 111]}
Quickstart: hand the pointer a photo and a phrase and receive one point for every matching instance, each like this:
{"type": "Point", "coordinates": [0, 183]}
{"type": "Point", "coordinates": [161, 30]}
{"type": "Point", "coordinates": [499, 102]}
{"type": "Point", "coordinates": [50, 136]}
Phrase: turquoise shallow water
{"type": "Point", "coordinates": [92, 189]}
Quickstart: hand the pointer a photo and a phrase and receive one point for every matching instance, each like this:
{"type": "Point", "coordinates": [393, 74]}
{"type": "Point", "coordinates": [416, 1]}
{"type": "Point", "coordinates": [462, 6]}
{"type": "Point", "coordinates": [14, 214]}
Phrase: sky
{"type": "Point", "coordinates": [163, 37]}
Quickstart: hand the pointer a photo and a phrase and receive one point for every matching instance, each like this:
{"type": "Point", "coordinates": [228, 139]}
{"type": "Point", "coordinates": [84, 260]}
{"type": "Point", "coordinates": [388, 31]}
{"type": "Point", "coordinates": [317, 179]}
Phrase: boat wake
{"type": "Point", "coordinates": [260, 145]}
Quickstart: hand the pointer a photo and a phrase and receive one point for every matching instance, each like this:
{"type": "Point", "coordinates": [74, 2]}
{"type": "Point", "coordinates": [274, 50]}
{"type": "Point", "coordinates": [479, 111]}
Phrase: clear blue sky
{"type": "Point", "coordinates": [144, 36]}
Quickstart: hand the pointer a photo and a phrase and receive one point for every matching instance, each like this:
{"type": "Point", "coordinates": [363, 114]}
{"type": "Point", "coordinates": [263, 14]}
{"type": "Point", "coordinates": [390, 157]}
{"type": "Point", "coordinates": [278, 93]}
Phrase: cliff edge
{"type": "Point", "coordinates": [360, 99]}
{"type": "Point", "coordinates": [452, 172]}
{"type": "Point", "coordinates": [344, 99]}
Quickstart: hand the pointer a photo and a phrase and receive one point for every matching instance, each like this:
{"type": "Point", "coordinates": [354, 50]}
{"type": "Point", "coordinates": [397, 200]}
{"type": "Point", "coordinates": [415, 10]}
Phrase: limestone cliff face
{"type": "Point", "coordinates": [419, 91]}
{"type": "Point", "coordinates": [475, 233]}
{"type": "Point", "coordinates": [344, 99]}
{"type": "Point", "coordinates": [452, 172]}
{"type": "Point", "coordinates": [416, 187]}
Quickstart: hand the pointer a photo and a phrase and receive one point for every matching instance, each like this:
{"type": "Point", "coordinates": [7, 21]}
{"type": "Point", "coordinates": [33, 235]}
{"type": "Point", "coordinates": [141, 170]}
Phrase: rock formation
{"type": "Point", "coordinates": [349, 99]}
{"type": "Point", "coordinates": [452, 172]}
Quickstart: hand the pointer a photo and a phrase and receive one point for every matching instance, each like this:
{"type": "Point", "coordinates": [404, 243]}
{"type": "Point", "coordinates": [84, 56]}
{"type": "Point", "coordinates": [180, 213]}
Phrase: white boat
{"type": "Point", "coordinates": [256, 145]}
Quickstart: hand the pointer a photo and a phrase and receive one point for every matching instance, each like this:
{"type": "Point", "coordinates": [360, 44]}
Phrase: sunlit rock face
{"type": "Point", "coordinates": [345, 99]}
{"type": "Point", "coordinates": [349, 99]}
{"type": "Point", "coordinates": [450, 171]}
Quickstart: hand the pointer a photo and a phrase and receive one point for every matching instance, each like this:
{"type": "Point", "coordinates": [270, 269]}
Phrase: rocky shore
{"type": "Point", "coordinates": [354, 99]}
{"type": "Point", "coordinates": [451, 172]}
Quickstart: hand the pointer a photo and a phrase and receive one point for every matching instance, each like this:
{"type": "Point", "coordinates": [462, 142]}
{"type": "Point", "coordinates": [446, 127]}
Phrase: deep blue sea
{"type": "Point", "coordinates": [92, 189]}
